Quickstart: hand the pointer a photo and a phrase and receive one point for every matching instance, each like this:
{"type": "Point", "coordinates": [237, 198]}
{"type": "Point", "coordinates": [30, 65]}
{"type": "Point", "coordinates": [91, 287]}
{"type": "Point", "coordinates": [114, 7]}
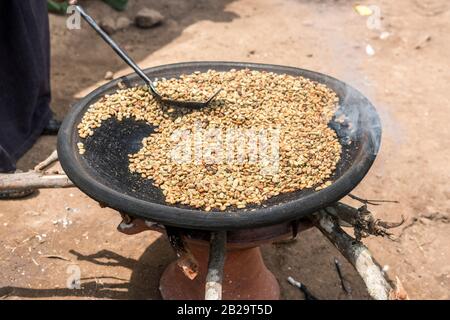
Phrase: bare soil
{"type": "Point", "coordinates": [407, 79]}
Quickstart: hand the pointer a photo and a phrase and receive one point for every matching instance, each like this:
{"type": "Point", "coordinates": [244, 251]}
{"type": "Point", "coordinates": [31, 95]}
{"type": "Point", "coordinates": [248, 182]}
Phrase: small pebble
{"type": "Point", "coordinates": [122, 23]}
{"type": "Point", "coordinates": [147, 18]}
{"type": "Point", "coordinates": [109, 75]}
{"type": "Point", "coordinates": [108, 24]}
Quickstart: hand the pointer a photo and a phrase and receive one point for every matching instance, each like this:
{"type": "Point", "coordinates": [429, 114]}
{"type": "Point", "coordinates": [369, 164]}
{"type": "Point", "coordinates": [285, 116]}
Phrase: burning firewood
{"type": "Point", "coordinates": [186, 260]}
{"type": "Point", "coordinates": [328, 221]}
{"type": "Point", "coordinates": [362, 220]}
{"type": "Point", "coordinates": [217, 255]}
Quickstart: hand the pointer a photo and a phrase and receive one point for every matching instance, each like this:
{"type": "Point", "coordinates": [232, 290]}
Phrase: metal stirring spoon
{"type": "Point", "coordinates": [125, 57]}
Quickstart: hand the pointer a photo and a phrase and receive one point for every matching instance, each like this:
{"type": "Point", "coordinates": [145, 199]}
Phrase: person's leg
{"type": "Point", "coordinates": [24, 77]}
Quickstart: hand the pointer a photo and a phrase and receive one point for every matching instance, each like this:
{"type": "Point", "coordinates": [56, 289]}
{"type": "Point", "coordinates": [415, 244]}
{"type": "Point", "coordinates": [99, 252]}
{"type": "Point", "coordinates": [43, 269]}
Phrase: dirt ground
{"type": "Point", "coordinates": [45, 238]}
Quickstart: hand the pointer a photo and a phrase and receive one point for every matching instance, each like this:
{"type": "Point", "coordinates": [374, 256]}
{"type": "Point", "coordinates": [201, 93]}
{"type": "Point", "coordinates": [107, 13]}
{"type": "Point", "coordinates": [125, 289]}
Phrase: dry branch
{"type": "Point", "coordinates": [44, 164]}
{"type": "Point", "coordinates": [302, 288]}
{"type": "Point", "coordinates": [371, 201]}
{"type": "Point", "coordinates": [361, 219]}
{"type": "Point", "coordinates": [33, 180]}
{"type": "Point", "coordinates": [345, 285]}
{"type": "Point", "coordinates": [356, 253]}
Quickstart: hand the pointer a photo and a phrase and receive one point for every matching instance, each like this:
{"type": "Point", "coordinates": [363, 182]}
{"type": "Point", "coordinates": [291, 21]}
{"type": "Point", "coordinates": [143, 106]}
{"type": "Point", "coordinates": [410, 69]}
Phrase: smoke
{"type": "Point", "coordinates": [363, 106]}
{"type": "Point", "coordinates": [355, 117]}
{"type": "Point", "coordinates": [366, 110]}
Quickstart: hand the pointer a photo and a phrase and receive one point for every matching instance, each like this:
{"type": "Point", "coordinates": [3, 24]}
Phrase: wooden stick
{"type": "Point", "coordinates": [356, 253]}
{"type": "Point", "coordinates": [44, 164]}
{"type": "Point", "coordinates": [302, 288]}
{"type": "Point", "coordinates": [217, 254]}
{"type": "Point", "coordinates": [345, 286]}
{"type": "Point", "coordinates": [370, 201]}
{"type": "Point", "coordinates": [361, 219]}
{"type": "Point", "coordinates": [33, 180]}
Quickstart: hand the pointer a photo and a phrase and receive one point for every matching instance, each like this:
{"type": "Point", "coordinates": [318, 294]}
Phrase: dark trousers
{"type": "Point", "coordinates": [24, 77]}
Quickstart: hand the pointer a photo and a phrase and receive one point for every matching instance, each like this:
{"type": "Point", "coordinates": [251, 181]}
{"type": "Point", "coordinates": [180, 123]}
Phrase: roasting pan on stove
{"type": "Point", "coordinates": [103, 174]}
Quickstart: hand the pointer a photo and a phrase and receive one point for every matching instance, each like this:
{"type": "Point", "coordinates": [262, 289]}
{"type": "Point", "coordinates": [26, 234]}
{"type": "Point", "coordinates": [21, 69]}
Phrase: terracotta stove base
{"type": "Point", "coordinates": [245, 277]}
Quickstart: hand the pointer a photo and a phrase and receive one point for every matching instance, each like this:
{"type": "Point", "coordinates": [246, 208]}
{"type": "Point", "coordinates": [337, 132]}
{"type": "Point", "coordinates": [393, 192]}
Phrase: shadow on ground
{"type": "Point", "coordinates": [143, 284]}
{"type": "Point", "coordinates": [310, 259]}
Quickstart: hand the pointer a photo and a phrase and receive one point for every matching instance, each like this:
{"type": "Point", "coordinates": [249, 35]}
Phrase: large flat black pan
{"type": "Point", "coordinates": [102, 172]}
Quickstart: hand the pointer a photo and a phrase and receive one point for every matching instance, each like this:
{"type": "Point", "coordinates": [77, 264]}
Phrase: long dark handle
{"type": "Point", "coordinates": [125, 57]}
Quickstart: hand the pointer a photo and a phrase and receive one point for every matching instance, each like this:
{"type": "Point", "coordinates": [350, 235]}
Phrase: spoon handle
{"type": "Point", "coordinates": [125, 57]}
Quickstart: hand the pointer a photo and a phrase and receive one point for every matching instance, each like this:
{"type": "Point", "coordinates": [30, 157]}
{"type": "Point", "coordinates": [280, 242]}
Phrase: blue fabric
{"type": "Point", "coordinates": [24, 77]}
